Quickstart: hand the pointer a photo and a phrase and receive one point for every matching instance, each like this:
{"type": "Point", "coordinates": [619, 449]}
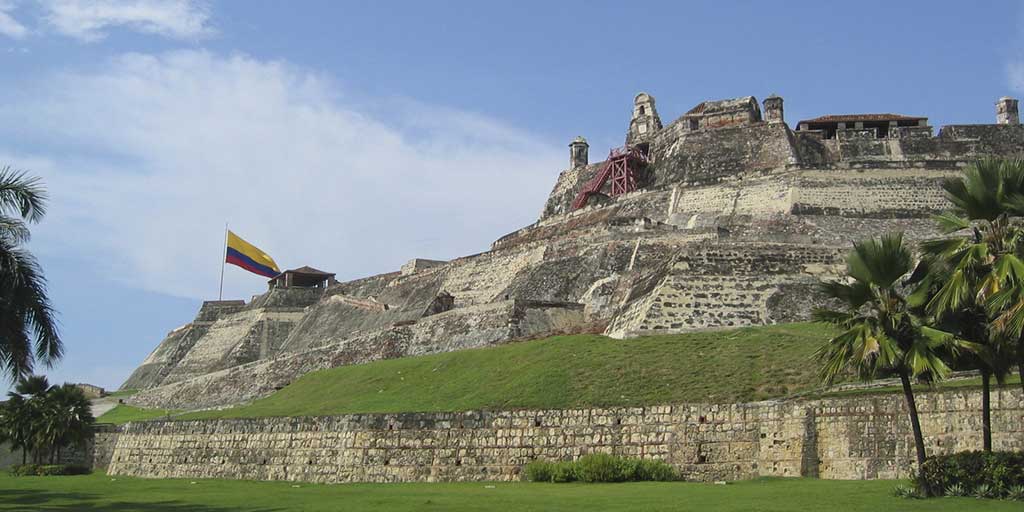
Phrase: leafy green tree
{"type": "Point", "coordinates": [880, 333]}
{"type": "Point", "coordinates": [976, 277]}
{"type": "Point", "coordinates": [28, 328]}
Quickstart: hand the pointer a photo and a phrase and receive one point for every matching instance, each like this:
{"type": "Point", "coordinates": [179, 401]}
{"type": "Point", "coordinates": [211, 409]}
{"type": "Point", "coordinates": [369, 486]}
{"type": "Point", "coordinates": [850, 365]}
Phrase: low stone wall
{"type": "Point", "coordinates": [852, 438]}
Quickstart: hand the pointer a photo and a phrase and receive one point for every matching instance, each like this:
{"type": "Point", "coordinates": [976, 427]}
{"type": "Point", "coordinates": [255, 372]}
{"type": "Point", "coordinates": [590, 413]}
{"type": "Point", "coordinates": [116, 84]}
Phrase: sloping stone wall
{"type": "Point", "coordinates": [458, 329]}
{"type": "Point", "coordinates": [851, 438]}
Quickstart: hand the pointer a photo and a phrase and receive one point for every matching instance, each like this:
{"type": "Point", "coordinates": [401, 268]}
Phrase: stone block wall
{"type": "Point", "coordinates": [717, 285]}
{"type": "Point", "coordinates": [849, 438]}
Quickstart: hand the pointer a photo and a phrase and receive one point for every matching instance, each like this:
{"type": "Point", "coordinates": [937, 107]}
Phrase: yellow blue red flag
{"type": "Point", "coordinates": [248, 256]}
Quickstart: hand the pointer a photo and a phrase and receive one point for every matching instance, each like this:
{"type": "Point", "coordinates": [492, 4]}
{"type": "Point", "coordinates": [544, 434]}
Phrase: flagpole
{"type": "Point", "coordinates": [223, 259]}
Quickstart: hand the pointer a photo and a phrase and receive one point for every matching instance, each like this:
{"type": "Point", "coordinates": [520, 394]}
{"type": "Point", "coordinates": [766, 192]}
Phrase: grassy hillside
{"type": "Point", "coordinates": [560, 372]}
{"type": "Point", "coordinates": [124, 413]}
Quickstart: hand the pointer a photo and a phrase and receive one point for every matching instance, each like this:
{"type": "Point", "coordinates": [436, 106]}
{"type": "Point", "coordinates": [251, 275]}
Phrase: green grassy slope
{"type": "Point", "coordinates": [101, 492]}
{"type": "Point", "coordinates": [563, 372]}
{"type": "Point", "coordinates": [124, 413]}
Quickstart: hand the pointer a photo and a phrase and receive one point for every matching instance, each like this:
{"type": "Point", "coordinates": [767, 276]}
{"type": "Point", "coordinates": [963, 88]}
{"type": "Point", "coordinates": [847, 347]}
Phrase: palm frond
{"type": "Point", "coordinates": [950, 222]}
{"type": "Point", "coordinates": [880, 261]}
{"type": "Point", "coordinates": [22, 194]}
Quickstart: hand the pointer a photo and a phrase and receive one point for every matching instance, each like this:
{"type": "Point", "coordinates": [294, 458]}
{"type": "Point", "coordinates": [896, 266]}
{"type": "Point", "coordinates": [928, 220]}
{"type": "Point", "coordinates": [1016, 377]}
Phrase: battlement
{"type": "Point", "coordinates": [726, 140]}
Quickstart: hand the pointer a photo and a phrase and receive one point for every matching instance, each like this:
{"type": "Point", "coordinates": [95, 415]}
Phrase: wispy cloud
{"type": "Point", "coordinates": [90, 20]}
{"type": "Point", "coordinates": [9, 26]}
{"type": "Point", "coordinates": [148, 156]}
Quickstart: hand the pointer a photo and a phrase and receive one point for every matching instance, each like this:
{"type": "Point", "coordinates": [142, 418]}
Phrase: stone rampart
{"type": "Point", "coordinates": [851, 438]}
{"type": "Point", "coordinates": [458, 329]}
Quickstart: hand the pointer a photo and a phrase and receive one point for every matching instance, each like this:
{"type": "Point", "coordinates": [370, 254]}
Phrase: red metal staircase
{"type": "Point", "coordinates": [621, 167]}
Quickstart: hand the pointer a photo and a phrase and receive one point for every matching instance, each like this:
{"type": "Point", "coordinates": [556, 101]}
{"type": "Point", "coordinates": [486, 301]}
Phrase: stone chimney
{"type": "Point", "coordinates": [1006, 111]}
{"type": "Point", "coordinates": [578, 153]}
{"type": "Point", "coordinates": [773, 112]}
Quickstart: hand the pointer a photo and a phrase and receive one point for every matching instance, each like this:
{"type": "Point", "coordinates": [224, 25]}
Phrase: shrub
{"type": "Point", "coordinates": [600, 467]}
{"type": "Point", "coordinates": [564, 472]}
{"type": "Point", "coordinates": [652, 470]}
{"type": "Point", "coordinates": [539, 471]}
{"type": "Point", "coordinates": [998, 470]}
{"type": "Point", "coordinates": [48, 470]}
{"type": "Point", "coordinates": [1015, 493]}
{"type": "Point", "coordinates": [24, 469]}
{"type": "Point", "coordinates": [956, 490]}
{"type": "Point", "coordinates": [984, 491]}
{"type": "Point", "coordinates": [906, 491]}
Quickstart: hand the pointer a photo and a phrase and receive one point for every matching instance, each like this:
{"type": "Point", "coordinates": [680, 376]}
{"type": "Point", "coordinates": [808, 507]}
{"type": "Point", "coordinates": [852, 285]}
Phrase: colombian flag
{"type": "Point", "coordinates": [247, 256]}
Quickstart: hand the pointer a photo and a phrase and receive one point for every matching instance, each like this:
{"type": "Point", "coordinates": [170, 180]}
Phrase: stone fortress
{"type": "Point", "coordinates": [724, 217]}
{"type": "Point", "coordinates": [731, 219]}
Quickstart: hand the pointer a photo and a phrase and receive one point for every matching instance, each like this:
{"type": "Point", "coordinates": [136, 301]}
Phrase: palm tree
{"type": "Point", "coordinates": [880, 333]}
{"type": "Point", "coordinates": [15, 425]}
{"type": "Point", "coordinates": [65, 419]}
{"type": "Point", "coordinates": [26, 316]}
{"type": "Point", "coordinates": [977, 278]}
{"type": "Point", "coordinates": [31, 392]}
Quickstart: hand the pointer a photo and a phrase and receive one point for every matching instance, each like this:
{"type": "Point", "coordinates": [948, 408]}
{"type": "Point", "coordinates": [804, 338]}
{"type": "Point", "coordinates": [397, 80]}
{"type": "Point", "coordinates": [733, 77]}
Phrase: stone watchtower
{"type": "Point", "coordinates": [579, 153]}
{"type": "Point", "coordinates": [773, 110]}
{"type": "Point", "coordinates": [645, 122]}
{"type": "Point", "coordinates": [1006, 111]}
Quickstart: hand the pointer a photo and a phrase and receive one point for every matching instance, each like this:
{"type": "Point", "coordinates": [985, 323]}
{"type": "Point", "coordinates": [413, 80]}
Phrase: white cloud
{"type": "Point", "coordinates": [9, 26]}
{"type": "Point", "coordinates": [147, 158]}
{"type": "Point", "coordinates": [89, 20]}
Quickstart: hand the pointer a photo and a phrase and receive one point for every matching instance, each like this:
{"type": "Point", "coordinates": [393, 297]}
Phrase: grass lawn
{"type": "Point", "coordinates": [122, 413]}
{"type": "Point", "coordinates": [121, 393]}
{"type": "Point", "coordinates": [100, 492]}
{"type": "Point", "coordinates": [736, 365]}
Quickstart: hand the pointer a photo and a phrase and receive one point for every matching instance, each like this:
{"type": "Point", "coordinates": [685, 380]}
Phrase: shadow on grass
{"type": "Point", "coordinates": [77, 501]}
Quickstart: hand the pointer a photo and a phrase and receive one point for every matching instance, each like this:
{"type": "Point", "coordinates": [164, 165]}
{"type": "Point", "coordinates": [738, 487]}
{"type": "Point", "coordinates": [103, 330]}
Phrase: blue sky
{"type": "Point", "coordinates": [353, 136]}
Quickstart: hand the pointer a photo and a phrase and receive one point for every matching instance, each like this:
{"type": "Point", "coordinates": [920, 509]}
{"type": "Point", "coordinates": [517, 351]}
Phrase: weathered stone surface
{"type": "Point", "coordinates": [736, 218]}
{"type": "Point", "coordinates": [851, 438]}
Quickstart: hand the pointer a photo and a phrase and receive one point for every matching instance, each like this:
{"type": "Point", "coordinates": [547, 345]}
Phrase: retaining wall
{"type": "Point", "coordinates": [851, 438]}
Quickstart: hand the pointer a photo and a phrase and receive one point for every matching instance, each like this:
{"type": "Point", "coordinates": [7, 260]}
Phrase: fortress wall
{"type": "Point", "coordinates": [871, 193]}
{"type": "Point", "coordinates": [232, 339]}
{"type": "Point", "coordinates": [568, 184]}
{"type": "Point", "coordinates": [710, 156]}
{"type": "Point", "coordinates": [482, 278]}
{"type": "Point", "coordinates": [717, 285]}
{"type": "Point", "coordinates": [458, 329]}
{"type": "Point", "coordinates": [162, 361]}
{"type": "Point", "coordinates": [850, 438]}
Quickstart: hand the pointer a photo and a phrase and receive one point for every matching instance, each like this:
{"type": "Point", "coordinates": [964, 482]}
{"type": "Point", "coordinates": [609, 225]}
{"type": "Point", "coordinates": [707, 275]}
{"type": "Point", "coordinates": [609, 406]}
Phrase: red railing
{"type": "Point", "coordinates": [621, 167]}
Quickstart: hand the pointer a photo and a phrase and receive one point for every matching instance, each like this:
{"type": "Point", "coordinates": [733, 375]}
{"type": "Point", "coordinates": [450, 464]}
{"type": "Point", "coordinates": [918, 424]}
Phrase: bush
{"type": "Point", "coordinates": [539, 471]}
{"type": "Point", "coordinates": [48, 470]}
{"type": "Point", "coordinates": [985, 491]}
{"type": "Point", "coordinates": [1015, 493]}
{"type": "Point", "coordinates": [652, 470]}
{"type": "Point", "coordinates": [997, 470]}
{"type": "Point", "coordinates": [906, 491]}
{"type": "Point", "coordinates": [955, 490]}
{"type": "Point", "coordinates": [601, 467]}
{"type": "Point", "coordinates": [24, 469]}
{"type": "Point", "coordinates": [563, 472]}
